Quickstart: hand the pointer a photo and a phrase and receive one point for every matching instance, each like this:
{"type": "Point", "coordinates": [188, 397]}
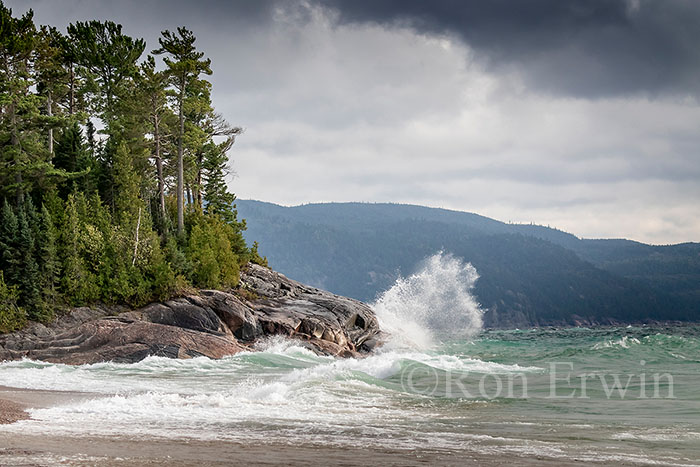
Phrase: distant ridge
{"type": "Point", "coordinates": [530, 275]}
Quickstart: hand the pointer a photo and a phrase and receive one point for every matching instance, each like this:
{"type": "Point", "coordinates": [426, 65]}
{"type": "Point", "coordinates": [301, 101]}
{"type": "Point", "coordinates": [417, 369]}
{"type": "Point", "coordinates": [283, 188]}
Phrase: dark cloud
{"type": "Point", "coordinates": [586, 48]}
{"type": "Point", "coordinates": [364, 101]}
{"type": "Point", "coordinates": [148, 18]}
{"type": "Point", "coordinates": [583, 48]}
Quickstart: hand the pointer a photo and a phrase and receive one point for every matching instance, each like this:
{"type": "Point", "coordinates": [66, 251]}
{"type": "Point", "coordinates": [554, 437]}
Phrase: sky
{"type": "Point", "coordinates": [583, 115]}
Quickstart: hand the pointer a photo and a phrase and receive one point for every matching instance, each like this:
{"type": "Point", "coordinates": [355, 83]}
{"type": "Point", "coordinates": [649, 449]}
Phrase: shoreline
{"type": "Point", "coordinates": [13, 405]}
{"type": "Point", "coordinates": [11, 412]}
{"type": "Point", "coordinates": [27, 447]}
{"type": "Point", "coordinates": [21, 449]}
{"type": "Point", "coordinates": [15, 402]}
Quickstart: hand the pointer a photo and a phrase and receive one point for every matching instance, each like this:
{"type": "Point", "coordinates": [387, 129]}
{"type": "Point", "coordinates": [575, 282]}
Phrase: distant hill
{"type": "Point", "coordinates": [530, 275]}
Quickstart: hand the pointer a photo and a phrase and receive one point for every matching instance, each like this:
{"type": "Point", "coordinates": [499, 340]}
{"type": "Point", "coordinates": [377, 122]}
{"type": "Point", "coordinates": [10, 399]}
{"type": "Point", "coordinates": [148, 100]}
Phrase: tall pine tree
{"type": "Point", "coordinates": [184, 65]}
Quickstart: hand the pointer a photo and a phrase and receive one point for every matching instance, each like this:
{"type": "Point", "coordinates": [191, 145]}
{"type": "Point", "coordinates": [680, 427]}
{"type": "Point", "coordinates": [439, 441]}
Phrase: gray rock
{"type": "Point", "coordinates": [212, 324]}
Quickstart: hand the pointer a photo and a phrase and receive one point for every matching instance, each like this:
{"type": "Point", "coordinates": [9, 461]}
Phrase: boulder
{"type": "Point", "coordinates": [212, 323]}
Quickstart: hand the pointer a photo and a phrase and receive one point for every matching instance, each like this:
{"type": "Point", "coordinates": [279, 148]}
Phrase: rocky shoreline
{"type": "Point", "coordinates": [211, 323]}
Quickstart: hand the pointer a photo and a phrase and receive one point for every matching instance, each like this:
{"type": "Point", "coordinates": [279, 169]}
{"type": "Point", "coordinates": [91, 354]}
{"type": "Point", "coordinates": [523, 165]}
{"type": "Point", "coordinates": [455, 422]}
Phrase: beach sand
{"type": "Point", "coordinates": [11, 412]}
{"type": "Point", "coordinates": [121, 451]}
{"type": "Point", "coordinates": [14, 401]}
{"type": "Point", "coordinates": [24, 448]}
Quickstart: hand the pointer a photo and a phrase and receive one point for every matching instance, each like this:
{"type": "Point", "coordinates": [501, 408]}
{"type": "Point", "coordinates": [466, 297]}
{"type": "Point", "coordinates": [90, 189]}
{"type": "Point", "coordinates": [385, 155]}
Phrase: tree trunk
{"type": "Point", "coordinates": [180, 165]}
{"type": "Point", "coordinates": [14, 141]}
{"type": "Point", "coordinates": [136, 242]}
{"type": "Point", "coordinates": [49, 112]}
{"type": "Point", "coordinates": [72, 91]}
{"type": "Point", "coordinates": [189, 195]}
{"type": "Point", "coordinates": [159, 162]}
{"type": "Point", "coordinates": [198, 187]}
{"type": "Point", "coordinates": [20, 191]}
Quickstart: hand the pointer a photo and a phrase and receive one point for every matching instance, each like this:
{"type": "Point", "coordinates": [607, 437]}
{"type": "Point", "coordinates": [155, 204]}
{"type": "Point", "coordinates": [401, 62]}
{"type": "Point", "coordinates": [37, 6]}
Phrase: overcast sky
{"type": "Point", "coordinates": [579, 114]}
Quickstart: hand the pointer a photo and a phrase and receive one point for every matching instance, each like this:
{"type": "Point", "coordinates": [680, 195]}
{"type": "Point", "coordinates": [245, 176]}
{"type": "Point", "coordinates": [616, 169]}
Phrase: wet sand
{"type": "Point", "coordinates": [23, 448]}
{"type": "Point", "coordinates": [11, 412]}
{"type": "Point", "coordinates": [121, 451]}
{"type": "Point", "coordinates": [14, 402]}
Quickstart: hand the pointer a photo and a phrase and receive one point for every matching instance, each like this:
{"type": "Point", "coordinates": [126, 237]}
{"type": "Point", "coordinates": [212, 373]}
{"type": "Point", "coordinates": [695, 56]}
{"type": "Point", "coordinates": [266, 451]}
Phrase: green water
{"type": "Point", "coordinates": [656, 417]}
{"type": "Point", "coordinates": [516, 393]}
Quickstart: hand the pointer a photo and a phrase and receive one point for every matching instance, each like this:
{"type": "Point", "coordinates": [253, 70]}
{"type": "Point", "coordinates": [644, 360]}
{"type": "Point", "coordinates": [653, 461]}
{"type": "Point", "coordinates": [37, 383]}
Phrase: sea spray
{"type": "Point", "coordinates": [434, 302]}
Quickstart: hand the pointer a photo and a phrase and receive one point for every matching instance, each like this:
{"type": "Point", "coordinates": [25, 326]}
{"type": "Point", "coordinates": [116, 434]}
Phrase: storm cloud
{"type": "Point", "coordinates": [579, 114]}
{"type": "Point", "coordinates": [590, 48]}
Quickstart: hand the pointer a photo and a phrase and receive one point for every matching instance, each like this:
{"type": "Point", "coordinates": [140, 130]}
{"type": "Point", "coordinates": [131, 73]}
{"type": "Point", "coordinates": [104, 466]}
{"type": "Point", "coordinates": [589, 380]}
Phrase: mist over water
{"type": "Point", "coordinates": [432, 304]}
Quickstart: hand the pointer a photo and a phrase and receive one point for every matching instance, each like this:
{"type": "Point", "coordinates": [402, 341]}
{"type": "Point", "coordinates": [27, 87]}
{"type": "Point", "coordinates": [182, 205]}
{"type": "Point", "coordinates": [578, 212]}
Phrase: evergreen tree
{"type": "Point", "coordinates": [185, 64]}
{"type": "Point", "coordinates": [49, 264]}
{"type": "Point", "coordinates": [77, 283]}
{"type": "Point", "coordinates": [219, 201]}
{"type": "Point", "coordinates": [108, 57]}
{"type": "Point", "coordinates": [214, 263]}
{"type": "Point", "coordinates": [9, 252]}
{"type": "Point", "coordinates": [51, 76]}
{"type": "Point", "coordinates": [198, 109]}
{"type": "Point", "coordinates": [72, 156]}
{"type": "Point", "coordinates": [94, 236]}
{"type": "Point", "coordinates": [12, 317]}
{"type": "Point", "coordinates": [70, 149]}
{"type": "Point", "coordinates": [153, 88]}
{"type": "Point", "coordinates": [29, 283]}
{"type": "Point", "coordinates": [18, 143]}
{"type": "Point", "coordinates": [25, 161]}
{"type": "Point", "coordinates": [126, 188]}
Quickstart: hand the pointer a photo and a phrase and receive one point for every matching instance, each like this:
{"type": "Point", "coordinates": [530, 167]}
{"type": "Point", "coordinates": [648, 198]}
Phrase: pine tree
{"type": "Point", "coordinates": [108, 56]}
{"type": "Point", "coordinates": [49, 265]}
{"type": "Point", "coordinates": [153, 88]}
{"type": "Point", "coordinates": [127, 203]}
{"type": "Point", "coordinates": [25, 161]}
{"type": "Point", "coordinates": [12, 317]}
{"type": "Point", "coordinates": [70, 150]}
{"type": "Point", "coordinates": [19, 106]}
{"type": "Point", "coordinates": [94, 236]}
{"type": "Point", "coordinates": [77, 283]}
{"type": "Point", "coordinates": [72, 156]}
{"type": "Point", "coordinates": [186, 65]}
{"type": "Point", "coordinates": [218, 199]}
{"type": "Point", "coordinates": [29, 282]}
{"type": "Point", "coordinates": [51, 76]}
{"type": "Point", "coordinates": [9, 253]}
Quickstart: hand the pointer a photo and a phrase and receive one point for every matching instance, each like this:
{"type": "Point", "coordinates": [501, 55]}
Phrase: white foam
{"type": "Point", "coordinates": [434, 301]}
{"type": "Point", "coordinates": [658, 435]}
{"type": "Point", "coordinates": [283, 345]}
{"type": "Point", "coordinates": [625, 342]}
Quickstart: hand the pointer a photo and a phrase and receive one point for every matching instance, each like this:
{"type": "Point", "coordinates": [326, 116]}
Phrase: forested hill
{"type": "Point", "coordinates": [112, 170]}
{"type": "Point", "coordinates": [530, 275]}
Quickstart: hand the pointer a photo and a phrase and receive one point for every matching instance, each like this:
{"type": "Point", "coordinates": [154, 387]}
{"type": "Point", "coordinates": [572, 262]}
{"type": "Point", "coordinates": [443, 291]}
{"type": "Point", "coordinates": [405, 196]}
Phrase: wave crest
{"type": "Point", "coordinates": [435, 301]}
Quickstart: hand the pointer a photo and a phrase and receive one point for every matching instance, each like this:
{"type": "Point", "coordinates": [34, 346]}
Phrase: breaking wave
{"type": "Point", "coordinates": [434, 302]}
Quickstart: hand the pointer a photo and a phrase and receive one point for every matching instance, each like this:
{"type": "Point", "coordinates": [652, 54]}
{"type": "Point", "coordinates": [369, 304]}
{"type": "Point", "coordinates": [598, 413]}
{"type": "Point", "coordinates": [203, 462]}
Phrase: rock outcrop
{"type": "Point", "coordinates": [212, 323]}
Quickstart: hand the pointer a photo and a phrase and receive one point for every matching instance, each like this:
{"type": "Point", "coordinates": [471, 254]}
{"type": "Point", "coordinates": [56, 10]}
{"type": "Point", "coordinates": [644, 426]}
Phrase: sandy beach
{"type": "Point", "coordinates": [28, 449]}
{"type": "Point", "coordinates": [14, 401]}
{"type": "Point", "coordinates": [11, 412]}
{"type": "Point", "coordinates": [23, 448]}
{"type": "Point", "coordinates": [41, 450]}
{"type": "Point", "coordinates": [121, 451]}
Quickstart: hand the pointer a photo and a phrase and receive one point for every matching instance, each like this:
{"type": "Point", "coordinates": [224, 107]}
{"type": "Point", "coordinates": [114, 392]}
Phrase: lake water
{"type": "Point", "coordinates": [627, 394]}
